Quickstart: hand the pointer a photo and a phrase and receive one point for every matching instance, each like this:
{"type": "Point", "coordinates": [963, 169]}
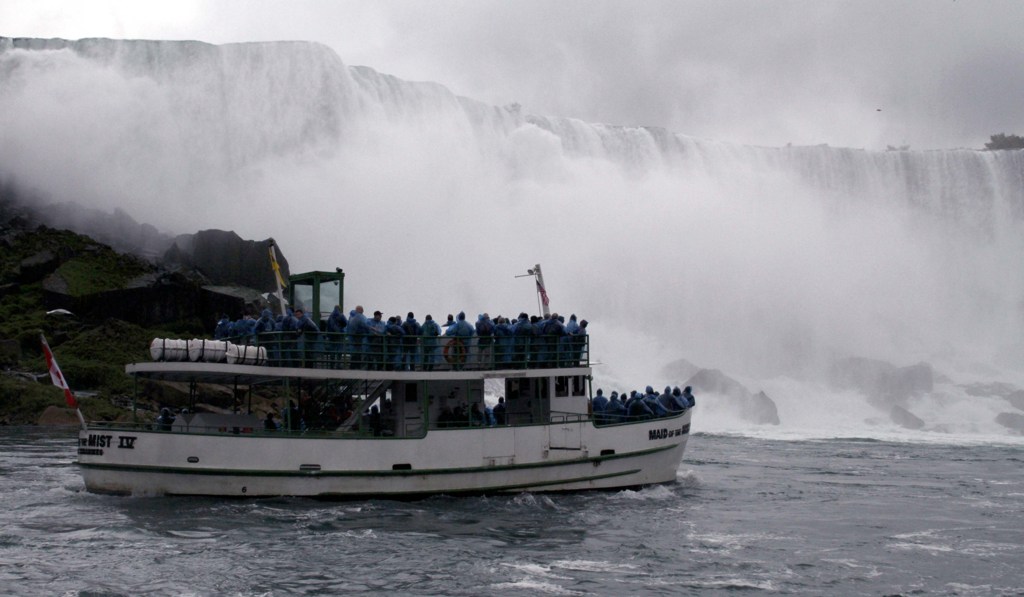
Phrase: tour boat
{"type": "Point", "coordinates": [380, 417]}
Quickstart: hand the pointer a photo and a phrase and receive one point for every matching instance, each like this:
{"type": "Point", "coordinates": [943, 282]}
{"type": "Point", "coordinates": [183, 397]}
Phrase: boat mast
{"type": "Point", "coordinates": [542, 292]}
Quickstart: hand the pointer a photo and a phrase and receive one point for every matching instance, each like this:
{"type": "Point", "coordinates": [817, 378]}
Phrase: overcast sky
{"type": "Point", "coordinates": [929, 74]}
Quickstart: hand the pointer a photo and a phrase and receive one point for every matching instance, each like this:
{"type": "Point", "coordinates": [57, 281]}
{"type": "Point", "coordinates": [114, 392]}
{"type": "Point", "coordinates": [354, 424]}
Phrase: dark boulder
{"type": "Point", "coordinates": [763, 409]}
{"type": "Point", "coordinates": [904, 418]}
{"type": "Point", "coordinates": [681, 369]}
{"type": "Point", "coordinates": [38, 266]}
{"type": "Point", "coordinates": [755, 408]}
{"type": "Point", "coordinates": [226, 259]}
{"type": "Point", "coordinates": [1013, 421]}
{"type": "Point", "coordinates": [1016, 399]}
{"type": "Point", "coordinates": [884, 384]}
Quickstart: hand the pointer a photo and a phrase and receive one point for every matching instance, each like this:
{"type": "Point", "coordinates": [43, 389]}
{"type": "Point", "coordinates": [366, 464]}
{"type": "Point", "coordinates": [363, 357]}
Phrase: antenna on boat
{"type": "Point", "coordinates": [542, 293]}
{"type": "Point", "coordinates": [277, 277]}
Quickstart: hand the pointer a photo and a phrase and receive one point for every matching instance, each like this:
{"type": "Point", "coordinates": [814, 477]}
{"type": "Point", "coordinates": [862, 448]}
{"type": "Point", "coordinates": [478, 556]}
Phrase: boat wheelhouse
{"type": "Point", "coordinates": [367, 415]}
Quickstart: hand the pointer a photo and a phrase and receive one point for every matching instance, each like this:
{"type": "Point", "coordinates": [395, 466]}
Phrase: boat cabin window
{"type": "Point", "coordinates": [561, 387]}
{"type": "Point", "coordinates": [576, 383]}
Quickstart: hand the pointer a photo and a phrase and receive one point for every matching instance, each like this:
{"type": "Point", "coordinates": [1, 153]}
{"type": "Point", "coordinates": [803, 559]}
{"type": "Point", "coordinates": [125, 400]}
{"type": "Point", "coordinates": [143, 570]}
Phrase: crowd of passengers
{"type": "Point", "coordinates": [397, 344]}
{"type": "Point", "coordinates": [640, 405]}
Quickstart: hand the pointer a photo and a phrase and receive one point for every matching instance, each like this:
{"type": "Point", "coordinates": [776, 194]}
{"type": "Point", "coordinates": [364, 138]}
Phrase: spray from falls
{"type": "Point", "coordinates": [768, 263]}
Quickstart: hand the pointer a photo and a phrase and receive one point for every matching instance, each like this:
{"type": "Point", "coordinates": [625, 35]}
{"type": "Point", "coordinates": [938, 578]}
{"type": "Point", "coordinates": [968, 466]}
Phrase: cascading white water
{"type": "Point", "coordinates": [767, 263]}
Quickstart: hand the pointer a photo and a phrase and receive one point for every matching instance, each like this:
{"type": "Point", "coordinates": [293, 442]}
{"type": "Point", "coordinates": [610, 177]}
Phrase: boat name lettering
{"type": "Point", "coordinates": [97, 441]}
{"type": "Point", "coordinates": [665, 433]}
{"type": "Point", "coordinates": [126, 441]}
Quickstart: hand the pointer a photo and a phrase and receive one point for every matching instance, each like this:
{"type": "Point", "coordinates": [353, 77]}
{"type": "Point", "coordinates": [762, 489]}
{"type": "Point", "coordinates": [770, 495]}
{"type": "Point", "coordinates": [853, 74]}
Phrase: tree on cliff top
{"type": "Point", "coordinates": [1004, 141]}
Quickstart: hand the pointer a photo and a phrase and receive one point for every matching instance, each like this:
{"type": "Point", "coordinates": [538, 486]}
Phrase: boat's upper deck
{"type": "Point", "coordinates": [263, 357]}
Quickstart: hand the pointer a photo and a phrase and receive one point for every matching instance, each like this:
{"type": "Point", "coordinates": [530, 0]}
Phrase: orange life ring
{"type": "Point", "coordinates": [455, 352]}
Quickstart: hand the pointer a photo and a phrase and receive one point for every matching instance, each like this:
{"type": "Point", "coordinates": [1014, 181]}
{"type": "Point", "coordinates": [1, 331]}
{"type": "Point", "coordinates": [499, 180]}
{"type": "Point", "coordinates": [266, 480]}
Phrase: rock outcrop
{"type": "Point", "coordinates": [884, 384]}
{"type": "Point", "coordinates": [904, 418]}
{"type": "Point", "coordinates": [755, 408]}
{"type": "Point", "coordinates": [1013, 421]}
{"type": "Point", "coordinates": [224, 258]}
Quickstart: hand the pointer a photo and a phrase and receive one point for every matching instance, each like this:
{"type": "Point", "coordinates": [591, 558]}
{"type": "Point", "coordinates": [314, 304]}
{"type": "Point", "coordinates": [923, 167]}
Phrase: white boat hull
{"type": "Point", "coordinates": [538, 458]}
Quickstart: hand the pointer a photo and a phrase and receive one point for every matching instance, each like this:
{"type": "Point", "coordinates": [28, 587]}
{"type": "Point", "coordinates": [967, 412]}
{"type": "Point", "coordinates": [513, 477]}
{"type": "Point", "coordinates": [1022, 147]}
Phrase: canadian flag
{"type": "Point", "coordinates": [543, 293]}
{"type": "Point", "coordinates": [56, 375]}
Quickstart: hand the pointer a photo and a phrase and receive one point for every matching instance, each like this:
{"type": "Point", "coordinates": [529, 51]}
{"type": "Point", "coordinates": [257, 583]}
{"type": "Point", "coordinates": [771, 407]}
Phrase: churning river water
{"type": "Point", "coordinates": [749, 516]}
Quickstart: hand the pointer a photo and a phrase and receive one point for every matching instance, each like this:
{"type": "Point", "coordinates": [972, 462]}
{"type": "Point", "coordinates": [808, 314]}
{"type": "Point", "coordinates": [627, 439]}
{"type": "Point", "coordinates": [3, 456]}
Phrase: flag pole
{"type": "Point", "coordinates": [542, 293]}
{"type": "Point", "coordinates": [58, 380]}
{"type": "Point", "coordinates": [542, 290]}
{"type": "Point", "coordinates": [278, 278]}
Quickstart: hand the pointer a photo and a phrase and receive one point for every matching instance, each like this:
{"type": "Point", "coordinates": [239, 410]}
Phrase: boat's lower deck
{"type": "Point", "coordinates": [558, 457]}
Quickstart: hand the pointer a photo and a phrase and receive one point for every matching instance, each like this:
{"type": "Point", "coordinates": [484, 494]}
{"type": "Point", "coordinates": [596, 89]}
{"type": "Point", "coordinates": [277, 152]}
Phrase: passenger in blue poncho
{"type": "Point", "coordinates": [307, 341]}
{"type": "Point", "coordinates": [242, 328]}
{"type": "Point", "coordinates": [637, 409]}
{"type": "Point", "coordinates": [430, 331]}
{"type": "Point", "coordinates": [502, 341]}
{"type": "Point", "coordinates": [457, 350]}
{"type": "Point", "coordinates": [485, 340]}
{"type": "Point", "coordinates": [653, 403]}
{"type": "Point", "coordinates": [393, 339]}
{"type": "Point", "coordinates": [358, 331]}
{"type": "Point", "coordinates": [567, 343]}
{"type": "Point", "coordinates": [375, 345]}
{"type": "Point", "coordinates": [412, 328]}
{"type": "Point", "coordinates": [599, 404]}
{"type": "Point", "coordinates": [615, 412]}
{"type": "Point", "coordinates": [677, 396]}
{"type": "Point", "coordinates": [223, 329]}
{"type": "Point", "coordinates": [265, 323]}
{"type": "Point", "coordinates": [336, 324]}
{"type": "Point", "coordinates": [522, 332]}
{"type": "Point", "coordinates": [688, 395]}
{"type": "Point", "coordinates": [667, 401]}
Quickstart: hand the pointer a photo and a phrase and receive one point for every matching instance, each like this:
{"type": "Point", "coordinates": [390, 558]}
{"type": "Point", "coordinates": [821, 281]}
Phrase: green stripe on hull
{"type": "Point", "coordinates": [383, 473]}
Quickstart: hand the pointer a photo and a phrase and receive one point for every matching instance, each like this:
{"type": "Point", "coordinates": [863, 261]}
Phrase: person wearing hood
{"type": "Point", "coordinates": [598, 405]}
{"type": "Point", "coordinates": [667, 401]}
{"type": "Point", "coordinates": [375, 348]}
{"type": "Point", "coordinates": [485, 340]}
{"type": "Point", "coordinates": [336, 324]}
{"type": "Point", "coordinates": [522, 332]}
{"type": "Point", "coordinates": [165, 420]}
{"type": "Point", "coordinates": [307, 334]}
{"type": "Point", "coordinates": [502, 341]}
{"type": "Point", "coordinates": [458, 349]}
{"type": "Point", "coordinates": [265, 323]}
{"type": "Point", "coordinates": [358, 334]}
{"type": "Point", "coordinates": [688, 396]}
{"type": "Point", "coordinates": [615, 412]}
{"type": "Point", "coordinates": [637, 408]}
{"type": "Point", "coordinates": [394, 335]}
{"type": "Point", "coordinates": [654, 403]}
{"type": "Point", "coordinates": [242, 328]}
{"type": "Point", "coordinates": [223, 329]}
{"type": "Point", "coordinates": [412, 329]}
{"type": "Point", "coordinates": [430, 331]}
{"type": "Point", "coordinates": [567, 343]}
{"type": "Point", "coordinates": [677, 397]}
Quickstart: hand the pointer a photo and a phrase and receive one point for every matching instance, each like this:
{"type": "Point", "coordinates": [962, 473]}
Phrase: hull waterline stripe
{"type": "Point", "coordinates": [381, 473]}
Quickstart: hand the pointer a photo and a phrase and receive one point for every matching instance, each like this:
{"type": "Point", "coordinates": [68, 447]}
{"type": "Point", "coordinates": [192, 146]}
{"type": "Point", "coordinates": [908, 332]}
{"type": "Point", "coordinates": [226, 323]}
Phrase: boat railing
{"type": "Point", "coordinates": [325, 350]}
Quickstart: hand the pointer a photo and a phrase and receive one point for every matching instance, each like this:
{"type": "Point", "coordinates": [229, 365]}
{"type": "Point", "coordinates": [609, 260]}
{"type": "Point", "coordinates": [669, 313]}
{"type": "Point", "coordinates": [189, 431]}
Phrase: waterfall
{"type": "Point", "coordinates": [766, 262]}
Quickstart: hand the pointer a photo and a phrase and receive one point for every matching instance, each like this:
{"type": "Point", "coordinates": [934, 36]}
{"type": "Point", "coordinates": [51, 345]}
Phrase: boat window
{"type": "Point", "coordinates": [579, 385]}
{"type": "Point", "coordinates": [410, 392]}
{"type": "Point", "coordinates": [561, 387]}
